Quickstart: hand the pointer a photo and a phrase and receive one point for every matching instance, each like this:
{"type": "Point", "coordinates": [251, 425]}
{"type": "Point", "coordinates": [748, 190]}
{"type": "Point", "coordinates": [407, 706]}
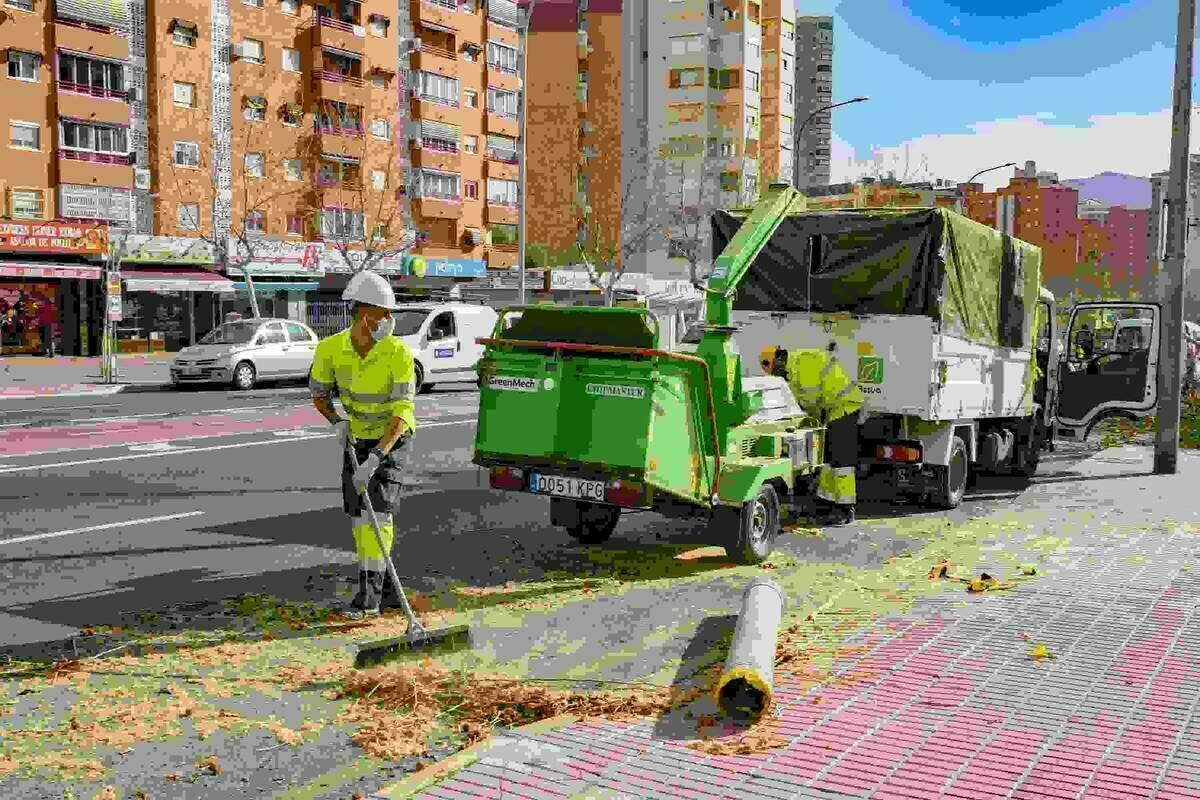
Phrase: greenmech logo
{"type": "Point", "coordinates": [870, 369]}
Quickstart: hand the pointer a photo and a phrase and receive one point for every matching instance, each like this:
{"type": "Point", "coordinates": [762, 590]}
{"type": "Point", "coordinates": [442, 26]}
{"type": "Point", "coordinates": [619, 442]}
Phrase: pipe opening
{"type": "Point", "coordinates": [740, 698]}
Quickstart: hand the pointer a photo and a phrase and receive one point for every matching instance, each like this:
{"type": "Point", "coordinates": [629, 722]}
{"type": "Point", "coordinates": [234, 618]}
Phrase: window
{"type": "Point", "coordinates": [24, 135]}
{"type": "Point", "coordinates": [255, 3]}
{"type": "Point", "coordinates": [20, 5]}
{"type": "Point", "coordinates": [470, 144]}
{"type": "Point", "coordinates": [291, 60]}
{"type": "Point", "coordinates": [378, 180]}
{"type": "Point", "coordinates": [787, 64]}
{"type": "Point", "coordinates": [754, 49]}
{"type": "Point", "coordinates": [501, 57]}
{"type": "Point", "coordinates": [27, 204]}
{"type": "Point", "coordinates": [502, 102]}
{"type": "Point", "coordinates": [439, 185]}
{"type": "Point", "coordinates": [252, 51]}
{"type": "Point", "coordinates": [184, 94]}
{"type": "Point", "coordinates": [23, 66]}
{"type": "Point", "coordinates": [438, 88]}
{"type": "Point", "coordinates": [256, 222]}
{"type": "Point", "coordinates": [255, 109]}
{"type": "Point", "coordinates": [291, 114]}
{"type": "Point", "coordinates": [272, 334]}
{"type": "Point", "coordinates": [724, 78]}
{"type": "Point", "coordinates": [683, 78]}
{"type": "Point", "coordinates": [341, 223]}
{"type": "Point", "coordinates": [785, 125]}
{"type": "Point", "coordinates": [183, 34]}
{"type": "Point", "coordinates": [682, 45]}
{"type": "Point", "coordinates": [298, 333]}
{"type": "Point", "coordinates": [290, 7]}
{"type": "Point", "coordinates": [380, 129]}
{"type": "Point", "coordinates": [472, 98]}
{"type": "Point", "coordinates": [787, 94]}
{"type": "Point", "coordinates": [291, 169]}
{"type": "Point", "coordinates": [504, 234]}
{"type": "Point", "coordinates": [752, 80]}
{"type": "Point", "coordinates": [188, 216]}
{"type": "Point", "coordinates": [186, 154]}
{"type": "Point", "coordinates": [789, 31]}
{"type": "Point", "coordinates": [379, 81]}
{"type": "Point", "coordinates": [471, 190]}
{"type": "Point", "coordinates": [378, 26]}
{"type": "Point", "coordinates": [338, 118]}
{"type": "Point", "coordinates": [90, 137]}
{"type": "Point", "coordinates": [714, 45]}
{"type": "Point", "coordinates": [93, 76]}
{"type": "Point", "coordinates": [254, 165]}
{"type": "Point", "coordinates": [502, 148]}
{"type": "Point", "coordinates": [295, 226]}
{"type": "Point", "coordinates": [501, 192]}
{"type": "Point", "coordinates": [442, 326]}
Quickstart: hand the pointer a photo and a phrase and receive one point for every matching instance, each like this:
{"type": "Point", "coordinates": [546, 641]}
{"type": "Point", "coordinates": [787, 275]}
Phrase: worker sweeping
{"type": "Point", "coordinates": [373, 373]}
{"type": "Point", "coordinates": [822, 388]}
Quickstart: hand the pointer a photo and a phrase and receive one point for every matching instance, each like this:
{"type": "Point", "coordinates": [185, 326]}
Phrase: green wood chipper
{"type": "Point", "coordinates": [579, 404]}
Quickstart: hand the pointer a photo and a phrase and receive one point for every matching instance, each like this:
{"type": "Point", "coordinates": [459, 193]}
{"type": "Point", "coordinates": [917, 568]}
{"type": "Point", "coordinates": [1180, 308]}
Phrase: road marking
{"type": "Point", "coordinates": [190, 450]}
{"type": "Point", "coordinates": [107, 526]}
{"type": "Point", "coordinates": [200, 413]}
{"type": "Point", "coordinates": [152, 447]}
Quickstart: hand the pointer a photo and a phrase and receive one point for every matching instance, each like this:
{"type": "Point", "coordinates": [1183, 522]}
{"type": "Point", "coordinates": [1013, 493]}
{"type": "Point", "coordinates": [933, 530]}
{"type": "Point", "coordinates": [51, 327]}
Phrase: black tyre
{"type": "Point", "coordinates": [419, 380]}
{"type": "Point", "coordinates": [951, 480]}
{"type": "Point", "coordinates": [596, 523]}
{"type": "Point", "coordinates": [755, 527]}
{"type": "Point", "coordinates": [244, 376]}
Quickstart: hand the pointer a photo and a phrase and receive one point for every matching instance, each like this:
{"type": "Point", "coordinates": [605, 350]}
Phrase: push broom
{"type": "Point", "coordinates": [417, 637]}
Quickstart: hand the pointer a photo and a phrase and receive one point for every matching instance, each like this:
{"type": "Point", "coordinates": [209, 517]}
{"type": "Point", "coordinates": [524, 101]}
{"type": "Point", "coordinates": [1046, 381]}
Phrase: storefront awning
{"type": "Point", "coordinates": [177, 282]}
{"type": "Point", "coordinates": [266, 287]}
{"type": "Point", "coordinates": [11, 269]}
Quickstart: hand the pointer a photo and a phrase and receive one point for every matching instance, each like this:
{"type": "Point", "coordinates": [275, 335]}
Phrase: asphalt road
{"type": "Point", "coordinates": [139, 501]}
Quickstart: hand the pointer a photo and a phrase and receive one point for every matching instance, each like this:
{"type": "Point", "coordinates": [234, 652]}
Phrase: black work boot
{"type": "Point", "coordinates": [375, 582]}
{"type": "Point", "coordinates": [366, 602]}
{"type": "Point", "coordinates": [388, 597]}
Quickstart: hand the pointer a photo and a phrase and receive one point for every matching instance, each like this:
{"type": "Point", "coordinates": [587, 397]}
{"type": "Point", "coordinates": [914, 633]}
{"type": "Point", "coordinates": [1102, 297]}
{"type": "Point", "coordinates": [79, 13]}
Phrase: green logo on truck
{"type": "Point", "coordinates": [870, 369]}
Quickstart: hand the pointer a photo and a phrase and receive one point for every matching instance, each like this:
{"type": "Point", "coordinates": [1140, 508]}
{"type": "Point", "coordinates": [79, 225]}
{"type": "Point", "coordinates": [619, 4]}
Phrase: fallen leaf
{"type": "Point", "coordinates": [172, 777]}
{"type": "Point", "coordinates": [940, 570]}
{"type": "Point", "coordinates": [767, 565]}
{"type": "Point", "coordinates": [107, 793]}
{"type": "Point", "coordinates": [1039, 652]}
{"type": "Point", "coordinates": [1028, 569]}
{"type": "Point", "coordinates": [211, 764]}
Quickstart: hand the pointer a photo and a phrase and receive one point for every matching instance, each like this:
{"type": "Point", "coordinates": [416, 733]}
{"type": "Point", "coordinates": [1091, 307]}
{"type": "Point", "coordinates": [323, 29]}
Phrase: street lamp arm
{"type": "Point", "coordinates": [803, 125]}
{"type": "Point", "coordinates": [989, 169]}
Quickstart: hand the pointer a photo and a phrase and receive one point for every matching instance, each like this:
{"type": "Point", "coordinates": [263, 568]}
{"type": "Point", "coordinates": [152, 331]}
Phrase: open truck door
{"type": "Point", "coordinates": [1108, 366]}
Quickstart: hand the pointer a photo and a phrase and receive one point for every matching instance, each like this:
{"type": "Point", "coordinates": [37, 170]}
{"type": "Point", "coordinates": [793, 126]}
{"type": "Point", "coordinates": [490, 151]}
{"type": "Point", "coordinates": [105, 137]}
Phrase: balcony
{"type": "Point", "coordinates": [435, 108]}
{"type": "Point", "coordinates": [500, 257]}
{"type": "Point", "coordinates": [329, 32]}
{"type": "Point", "coordinates": [438, 12]}
{"type": "Point", "coordinates": [95, 106]}
{"type": "Point", "coordinates": [341, 88]}
{"type": "Point", "coordinates": [337, 136]}
{"type": "Point", "coordinates": [443, 159]}
{"type": "Point", "coordinates": [437, 207]}
{"type": "Point", "coordinates": [506, 170]}
{"type": "Point", "coordinates": [502, 124]}
{"type": "Point", "coordinates": [87, 168]}
{"type": "Point", "coordinates": [349, 184]}
{"type": "Point", "coordinates": [502, 215]}
{"type": "Point", "coordinates": [95, 40]}
{"type": "Point", "coordinates": [439, 60]}
{"type": "Point", "coordinates": [503, 78]}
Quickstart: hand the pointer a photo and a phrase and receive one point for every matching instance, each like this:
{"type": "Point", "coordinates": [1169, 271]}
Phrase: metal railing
{"type": "Point", "coordinates": [328, 317]}
{"type": "Point", "coordinates": [336, 77]}
{"type": "Point", "coordinates": [98, 158]}
{"type": "Point", "coordinates": [433, 49]}
{"type": "Point", "coordinates": [335, 130]}
{"type": "Point", "coordinates": [94, 91]}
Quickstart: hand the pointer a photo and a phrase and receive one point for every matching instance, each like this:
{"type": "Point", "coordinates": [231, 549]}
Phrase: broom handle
{"type": "Point", "coordinates": [414, 624]}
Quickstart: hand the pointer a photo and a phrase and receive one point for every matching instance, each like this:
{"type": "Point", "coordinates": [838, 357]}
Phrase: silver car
{"type": "Point", "coordinates": [247, 351]}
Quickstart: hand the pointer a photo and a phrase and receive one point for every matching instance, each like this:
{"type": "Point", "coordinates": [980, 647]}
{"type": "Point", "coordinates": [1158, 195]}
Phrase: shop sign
{"type": "Point", "coordinates": [166, 250]}
{"type": "Point", "coordinates": [58, 271]}
{"type": "Point", "coordinates": [444, 267]}
{"type": "Point", "coordinates": [114, 308]}
{"type": "Point", "coordinates": [53, 237]}
{"type": "Point", "coordinates": [279, 258]}
{"type": "Point", "coordinates": [562, 280]}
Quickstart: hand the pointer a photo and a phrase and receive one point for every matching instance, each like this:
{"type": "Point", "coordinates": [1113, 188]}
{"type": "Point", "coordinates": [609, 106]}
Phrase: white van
{"type": "Point", "coordinates": [442, 338]}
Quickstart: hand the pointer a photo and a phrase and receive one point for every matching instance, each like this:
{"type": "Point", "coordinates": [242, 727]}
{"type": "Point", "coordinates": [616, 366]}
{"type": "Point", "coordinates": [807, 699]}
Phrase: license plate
{"type": "Point", "coordinates": [190, 370]}
{"type": "Point", "coordinates": [566, 487]}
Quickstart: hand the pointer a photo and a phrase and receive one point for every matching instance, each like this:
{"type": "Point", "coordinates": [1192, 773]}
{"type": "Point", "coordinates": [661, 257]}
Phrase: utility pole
{"type": "Point", "coordinates": [522, 129]}
{"type": "Point", "coordinates": [1170, 361]}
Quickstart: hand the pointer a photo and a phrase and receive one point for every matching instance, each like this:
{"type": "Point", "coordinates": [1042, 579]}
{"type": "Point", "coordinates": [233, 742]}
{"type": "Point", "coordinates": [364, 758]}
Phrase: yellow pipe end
{"type": "Point", "coordinates": [743, 691]}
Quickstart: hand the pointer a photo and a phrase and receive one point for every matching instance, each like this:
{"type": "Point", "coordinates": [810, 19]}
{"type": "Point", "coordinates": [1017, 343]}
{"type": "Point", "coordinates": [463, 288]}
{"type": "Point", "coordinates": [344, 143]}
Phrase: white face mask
{"type": "Point", "coordinates": [383, 329]}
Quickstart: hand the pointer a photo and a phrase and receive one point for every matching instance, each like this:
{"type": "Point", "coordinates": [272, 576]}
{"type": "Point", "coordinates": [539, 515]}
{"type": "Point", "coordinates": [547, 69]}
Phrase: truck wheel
{"type": "Point", "coordinates": [951, 480]}
{"type": "Point", "coordinates": [757, 526]}
{"type": "Point", "coordinates": [1029, 451]}
{"type": "Point", "coordinates": [596, 523]}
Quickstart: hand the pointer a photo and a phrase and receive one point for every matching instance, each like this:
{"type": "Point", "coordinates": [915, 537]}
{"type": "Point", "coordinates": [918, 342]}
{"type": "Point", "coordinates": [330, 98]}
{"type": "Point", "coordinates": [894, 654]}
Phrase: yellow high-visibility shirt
{"type": "Point", "coordinates": [821, 384]}
{"type": "Point", "coordinates": [372, 389]}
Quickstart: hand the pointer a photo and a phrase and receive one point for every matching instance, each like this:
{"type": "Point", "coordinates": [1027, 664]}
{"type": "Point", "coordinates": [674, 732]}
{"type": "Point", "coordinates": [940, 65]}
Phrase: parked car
{"type": "Point", "coordinates": [247, 351]}
{"type": "Point", "coordinates": [442, 338]}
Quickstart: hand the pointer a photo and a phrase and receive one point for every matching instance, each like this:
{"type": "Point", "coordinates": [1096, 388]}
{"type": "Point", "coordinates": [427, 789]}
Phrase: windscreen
{"type": "Point", "coordinates": [408, 321]}
{"type": "Point", "coordinates": [231, 333]}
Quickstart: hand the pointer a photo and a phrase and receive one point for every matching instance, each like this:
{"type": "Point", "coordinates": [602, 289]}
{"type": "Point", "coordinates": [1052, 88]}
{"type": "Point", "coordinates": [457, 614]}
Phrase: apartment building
{"type": "Point", "coordinates": [814, 91]}
{"type": "Point", "coordinates": [676, 108]}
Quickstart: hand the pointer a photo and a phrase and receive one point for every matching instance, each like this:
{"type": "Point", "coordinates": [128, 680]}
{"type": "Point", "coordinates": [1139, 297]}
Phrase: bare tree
{"type": "Point", "coordinates": [894, 168]}
{"type": "Point", "coordinates": [257, 191]}
{"type": "Point", "coordinates": [688, 223]}
{"type": "Point", "coordinates": [605, 254]}
{"type": "Point", "coordinates": [367, 230]}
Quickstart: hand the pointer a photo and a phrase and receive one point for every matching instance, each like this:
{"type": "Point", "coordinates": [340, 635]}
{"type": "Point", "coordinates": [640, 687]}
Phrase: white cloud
{"type": "Point", "coordinates": [1135, 144]}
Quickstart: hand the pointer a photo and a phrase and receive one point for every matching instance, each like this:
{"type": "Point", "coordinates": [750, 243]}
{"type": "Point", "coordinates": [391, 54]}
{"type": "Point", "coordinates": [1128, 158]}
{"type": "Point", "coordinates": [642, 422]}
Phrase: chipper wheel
{"type": "Point", "coordinates": [596, 523]}
{"type": "Point", "coordinates": [750, 531]}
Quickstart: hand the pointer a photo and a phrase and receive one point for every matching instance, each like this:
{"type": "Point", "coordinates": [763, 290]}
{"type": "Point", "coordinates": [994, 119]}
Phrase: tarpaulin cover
{"type": "Point", "coordinates": [980, 284]}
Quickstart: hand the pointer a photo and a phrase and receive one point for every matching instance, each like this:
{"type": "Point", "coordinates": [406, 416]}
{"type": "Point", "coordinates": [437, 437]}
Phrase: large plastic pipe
{"type": "Point", "coordinates": [748, 680]}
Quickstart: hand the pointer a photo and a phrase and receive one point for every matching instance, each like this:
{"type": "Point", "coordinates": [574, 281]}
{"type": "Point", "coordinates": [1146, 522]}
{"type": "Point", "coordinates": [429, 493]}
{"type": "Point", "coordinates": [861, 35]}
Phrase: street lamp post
{"type": "Point", "coordinates": [800, 130]}
{"type": "Point", "coordinates": [971, 179]}
{"type": "Point", "coordinates": [521, 128]}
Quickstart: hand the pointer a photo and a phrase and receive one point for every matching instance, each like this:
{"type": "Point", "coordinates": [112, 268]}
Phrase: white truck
{"type": "Point", "coordinates": [945, 326]}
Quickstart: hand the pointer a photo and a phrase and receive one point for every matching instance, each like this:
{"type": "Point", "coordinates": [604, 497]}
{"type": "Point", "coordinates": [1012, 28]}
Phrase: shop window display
{"type": "Point", "coordinates": [28, 318]}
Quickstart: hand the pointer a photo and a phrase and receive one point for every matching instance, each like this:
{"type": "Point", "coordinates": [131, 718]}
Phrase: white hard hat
{"type": "Point", "coordinates": [372, 289]}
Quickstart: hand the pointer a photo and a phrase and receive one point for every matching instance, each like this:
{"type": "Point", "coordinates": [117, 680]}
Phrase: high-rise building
{"type": "Point", "coordinates": [1156, 232]}
{"type": "Point", "coordinates": [676, 107]}
{"type": "Point", "coordinates": [813, 91]}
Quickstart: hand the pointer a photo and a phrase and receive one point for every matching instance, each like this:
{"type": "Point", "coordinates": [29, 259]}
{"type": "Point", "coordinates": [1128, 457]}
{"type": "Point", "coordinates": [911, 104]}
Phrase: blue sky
{"type": "Point", "coordinates": [1068, 85]}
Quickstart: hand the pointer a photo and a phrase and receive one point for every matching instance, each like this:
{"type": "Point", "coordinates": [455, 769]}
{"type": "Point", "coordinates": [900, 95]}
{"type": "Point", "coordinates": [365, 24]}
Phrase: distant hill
{"type": "Point", "coordinates": [1114, 189]}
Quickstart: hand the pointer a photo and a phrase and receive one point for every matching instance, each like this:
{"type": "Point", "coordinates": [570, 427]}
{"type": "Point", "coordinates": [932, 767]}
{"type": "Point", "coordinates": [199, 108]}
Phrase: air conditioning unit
{"type": "Point", "coordinates": [141, 179]}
